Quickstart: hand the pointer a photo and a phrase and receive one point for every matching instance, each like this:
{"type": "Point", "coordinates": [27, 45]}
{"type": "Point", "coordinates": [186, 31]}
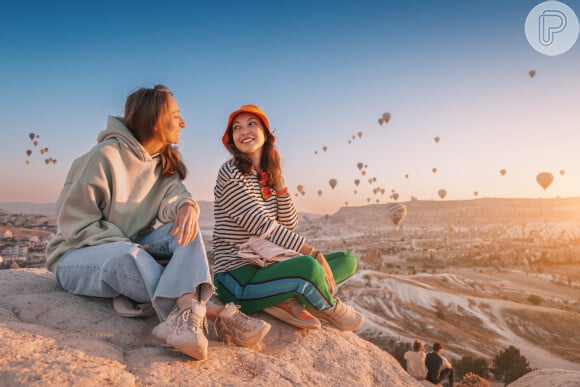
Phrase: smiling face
{"type": "Point", "coordinates": [248, 134]}
{"type": "Point", "coordinates": [173, 123]}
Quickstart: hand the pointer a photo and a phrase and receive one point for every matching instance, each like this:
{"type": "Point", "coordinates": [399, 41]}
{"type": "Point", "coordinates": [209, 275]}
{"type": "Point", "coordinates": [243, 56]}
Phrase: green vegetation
{"type": "Point", "coordinates": [509, 365]}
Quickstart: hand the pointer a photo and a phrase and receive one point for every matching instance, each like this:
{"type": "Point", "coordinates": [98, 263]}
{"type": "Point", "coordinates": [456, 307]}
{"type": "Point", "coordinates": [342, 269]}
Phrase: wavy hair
{"type": "Point", "coordinates": [145, 110]}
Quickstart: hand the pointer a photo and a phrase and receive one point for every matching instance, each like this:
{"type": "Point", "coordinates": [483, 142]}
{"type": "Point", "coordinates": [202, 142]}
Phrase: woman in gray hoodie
{"type": "Point", "coordinates": [112, 198]}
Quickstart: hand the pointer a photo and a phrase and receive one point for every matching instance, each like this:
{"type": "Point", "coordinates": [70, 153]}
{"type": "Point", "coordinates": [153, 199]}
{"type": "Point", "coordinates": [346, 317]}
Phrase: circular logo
{"type": "Point", "coordinates": [552, 28]}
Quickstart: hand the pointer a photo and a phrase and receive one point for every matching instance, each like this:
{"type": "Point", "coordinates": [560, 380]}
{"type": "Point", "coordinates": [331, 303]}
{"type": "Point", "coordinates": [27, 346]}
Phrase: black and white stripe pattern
{"type": "Point", "coordinates": [240, 212]}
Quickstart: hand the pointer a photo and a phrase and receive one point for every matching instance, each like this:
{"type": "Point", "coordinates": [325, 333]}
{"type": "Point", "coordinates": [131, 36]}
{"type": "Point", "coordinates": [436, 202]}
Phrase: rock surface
{"type": "Point", "coordinates": [549, 377]}
{"type": "Point", "coordinates": [49, 337]}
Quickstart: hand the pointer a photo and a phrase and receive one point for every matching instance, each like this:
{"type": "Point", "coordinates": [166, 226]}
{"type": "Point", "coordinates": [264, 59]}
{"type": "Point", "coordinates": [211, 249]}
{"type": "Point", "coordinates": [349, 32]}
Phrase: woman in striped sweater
{"type": "Point", "coordinates": [251, 199]}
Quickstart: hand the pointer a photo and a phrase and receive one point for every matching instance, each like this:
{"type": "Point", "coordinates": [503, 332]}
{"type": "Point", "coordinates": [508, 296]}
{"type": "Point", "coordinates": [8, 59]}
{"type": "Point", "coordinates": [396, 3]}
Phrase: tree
{"type": "Point", "coordinates": [468, 364]}
{"type": "Point", "coordinates": [510, 365]}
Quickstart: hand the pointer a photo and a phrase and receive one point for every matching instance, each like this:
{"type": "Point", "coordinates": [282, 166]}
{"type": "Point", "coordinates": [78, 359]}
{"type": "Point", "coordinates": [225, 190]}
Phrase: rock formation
{"type": "Point", "coordinates": [49, 337]}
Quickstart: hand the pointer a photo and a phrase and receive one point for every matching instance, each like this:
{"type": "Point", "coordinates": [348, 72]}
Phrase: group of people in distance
{"type": "Point", "coordinates": [432, 366]}
{"type": "Point", "coordinates": [124, 203]}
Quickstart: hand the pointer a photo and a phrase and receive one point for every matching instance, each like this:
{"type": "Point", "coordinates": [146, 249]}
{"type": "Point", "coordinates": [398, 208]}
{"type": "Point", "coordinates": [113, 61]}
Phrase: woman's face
{"type": "Point", "coordinates": [248, 133]}
{"type": "Point", "coordinates": [173, 121]}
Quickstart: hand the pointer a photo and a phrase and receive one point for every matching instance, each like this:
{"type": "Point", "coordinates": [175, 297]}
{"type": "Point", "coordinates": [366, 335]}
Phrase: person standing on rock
{"type": "Point", "coordinates": [113, 196]}
{"type": "Point", "coordinates": [252, 203]}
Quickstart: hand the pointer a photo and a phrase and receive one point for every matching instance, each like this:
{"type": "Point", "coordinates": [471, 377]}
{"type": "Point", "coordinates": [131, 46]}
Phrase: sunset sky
{"type": "Point", "coordinates": [322, 71]}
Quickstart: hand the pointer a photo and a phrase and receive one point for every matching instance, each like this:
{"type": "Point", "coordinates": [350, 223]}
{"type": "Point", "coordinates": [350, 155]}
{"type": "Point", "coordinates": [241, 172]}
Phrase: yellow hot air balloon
{"type": "Point", "coordinates": [397, 212]}
{"type": "Point", "coordinates": [442, 193]}
{"type": "Point", "coordinates": [502, 172]}
{"type": "Point", "coordinates": [332, 183]}
{"type": "Point", "coordinates": [436, 139]}
{"type": "Point", "coordinates": [545, 179]}
{"type": "Point", "coordinates": [532, 73]}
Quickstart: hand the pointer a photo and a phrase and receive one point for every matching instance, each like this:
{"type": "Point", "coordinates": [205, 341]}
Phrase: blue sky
{"type": "Point", "coordinates": [322, 71]}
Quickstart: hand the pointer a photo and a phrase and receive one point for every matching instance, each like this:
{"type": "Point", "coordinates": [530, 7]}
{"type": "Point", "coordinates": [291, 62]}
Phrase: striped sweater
{"type": "Point", "coordinates": [240, 212]}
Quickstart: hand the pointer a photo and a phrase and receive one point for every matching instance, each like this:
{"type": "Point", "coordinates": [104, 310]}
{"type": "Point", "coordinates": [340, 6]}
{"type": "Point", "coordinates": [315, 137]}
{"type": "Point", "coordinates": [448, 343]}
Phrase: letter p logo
{"type": "Point", "coordinates": [551, 22]}
{"type": "Point", "coordinates": [552, 28]}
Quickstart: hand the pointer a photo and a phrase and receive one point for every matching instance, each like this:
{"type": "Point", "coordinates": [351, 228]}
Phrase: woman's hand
{"type": "Point", "coordinates": [327, 271]}
{"type": "Point", "coordinates": [186, 225]}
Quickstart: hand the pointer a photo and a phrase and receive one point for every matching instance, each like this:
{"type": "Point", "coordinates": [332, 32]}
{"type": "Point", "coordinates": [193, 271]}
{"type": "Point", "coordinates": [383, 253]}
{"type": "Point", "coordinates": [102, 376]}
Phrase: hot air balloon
{"type": "Point", "coordinates": [434, 170]}
{"type": "Point", "coordinates": [31, 136]}
{"type": "Point", "coordinates": [436, 139]}
{"type": "Point", "coordinates": [544, 179]}
{"type": "Point", "coordinates": [395, 196]}
{"type": "Point", "coordinates": [475, 193]}
{"type": "Point", "coordinates": [502, 172]}
{"type": "Point", "coordinates": [363, 172]}
{"type": "Point", "coordinates": [381, 121]}
{"type": "Point", "coordinates": [332, 183]}
{"type": "Point", "coordinates": [397, 213]}
{"type": "Point", "coordinates": [370, 181]}
{"type": "Point", "coordinates": [360, 134]}
{"type": "Point", "coordinates": [353, 137]}
{"type": "Point", "coordinates": [406, 175]}
{"type": "Point", "coordinates": [356, 182]}
{"type": "Point", "coordinates": [532, 73]}
{"type": "Point", "coordinates": [300, 188]}
{"type": "Point", "coordinates": [319, 192]}
{"type": "Point", "coordinates": [386, 117]}
{"type": "Point", "coordinates": [562, 172]}
{"type": "Point", "coordinates": [324, 148]}
{"type": "Point", "coordinates": [315, 152]}
{"type": "Point", "coordinates": [442, 193]}
{"type": "Point", "coordinates": [35, 143]}
{"type": "Point", "coordinates": [359, 166]}
{"type": "Point", "coordinates": [28, 152]}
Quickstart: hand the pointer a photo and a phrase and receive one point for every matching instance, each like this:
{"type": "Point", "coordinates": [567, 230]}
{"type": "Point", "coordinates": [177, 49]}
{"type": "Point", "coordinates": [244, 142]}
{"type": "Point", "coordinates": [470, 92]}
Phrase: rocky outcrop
{"type": "Point", "coordinates": [549, 377]}
{"type": "Point", "coordinates": [49, 337]}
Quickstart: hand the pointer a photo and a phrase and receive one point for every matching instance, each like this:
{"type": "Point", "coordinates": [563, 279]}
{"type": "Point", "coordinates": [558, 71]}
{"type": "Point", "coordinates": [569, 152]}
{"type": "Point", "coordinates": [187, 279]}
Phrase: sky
{"type": "Point", "coordinates": [323, 71]}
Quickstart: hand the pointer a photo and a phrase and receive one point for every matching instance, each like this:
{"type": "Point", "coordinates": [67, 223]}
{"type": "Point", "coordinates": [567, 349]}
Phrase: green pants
{"type": "Point", "coordinates": [254, 288]}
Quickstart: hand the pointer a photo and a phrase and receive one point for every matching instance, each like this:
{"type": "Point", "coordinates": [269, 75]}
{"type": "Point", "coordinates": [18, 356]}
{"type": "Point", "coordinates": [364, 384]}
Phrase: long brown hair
{"type": "Point", "coordinates": [270, 161]}
{"type": "Point", "coordinates": [144, 110]}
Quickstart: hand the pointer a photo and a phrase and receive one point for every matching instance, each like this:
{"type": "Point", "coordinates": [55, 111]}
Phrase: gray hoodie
{"type": "Point", "coordinates": [113, 193]}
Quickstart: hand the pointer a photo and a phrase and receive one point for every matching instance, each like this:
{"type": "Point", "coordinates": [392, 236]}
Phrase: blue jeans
{"type": "Point", "coordinates": [115, 268]}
